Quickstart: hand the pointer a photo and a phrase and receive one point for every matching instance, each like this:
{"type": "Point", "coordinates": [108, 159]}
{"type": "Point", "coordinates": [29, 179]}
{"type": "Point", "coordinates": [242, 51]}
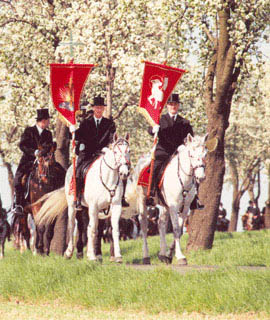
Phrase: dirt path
{"type": "Point", "coordinates": [14, 310]}
{"type": "Point", "coordinates": [189, 268]}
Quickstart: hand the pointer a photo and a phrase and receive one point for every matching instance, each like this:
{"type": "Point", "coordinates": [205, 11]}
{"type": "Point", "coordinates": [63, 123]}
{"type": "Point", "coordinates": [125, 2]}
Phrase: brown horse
{"type": "Point", "coordinates": [46, 176]}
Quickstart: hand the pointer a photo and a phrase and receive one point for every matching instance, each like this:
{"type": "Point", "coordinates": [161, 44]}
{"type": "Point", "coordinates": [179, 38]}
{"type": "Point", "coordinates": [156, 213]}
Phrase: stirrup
{"type": "Point", "coordinates": [196, 205]}
{"type": "Point", "coordinates": [78, 206]}
{"type": "Point", "coordinates": [18, 210]}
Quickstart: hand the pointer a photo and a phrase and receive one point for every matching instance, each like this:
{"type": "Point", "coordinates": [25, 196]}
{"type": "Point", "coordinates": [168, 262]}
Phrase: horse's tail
{"type": "Point", "coordinates": [55, 204]}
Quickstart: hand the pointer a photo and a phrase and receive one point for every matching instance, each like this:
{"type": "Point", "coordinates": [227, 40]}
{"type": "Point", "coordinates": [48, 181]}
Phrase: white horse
{"type": "Point", "coordinates": [103, 191]}
{"type": "Point", "coordinates": [178, 190]}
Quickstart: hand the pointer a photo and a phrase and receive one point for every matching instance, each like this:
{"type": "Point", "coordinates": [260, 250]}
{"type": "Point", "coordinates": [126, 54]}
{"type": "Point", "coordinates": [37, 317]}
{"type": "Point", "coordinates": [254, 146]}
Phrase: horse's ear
{"type": "Point", "coordinates": [115, 137]}
{"type": "Point", "coordinates": [127, 137]}
{"type": "Point", "coordinates": [205, 138]}
{"type": "Point", "coordinates": [188, 139]}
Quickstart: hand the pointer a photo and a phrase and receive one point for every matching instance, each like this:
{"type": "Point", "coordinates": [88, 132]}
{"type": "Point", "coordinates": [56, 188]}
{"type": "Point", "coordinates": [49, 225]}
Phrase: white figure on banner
{"type": "Point", "coordinates": [158, 86]}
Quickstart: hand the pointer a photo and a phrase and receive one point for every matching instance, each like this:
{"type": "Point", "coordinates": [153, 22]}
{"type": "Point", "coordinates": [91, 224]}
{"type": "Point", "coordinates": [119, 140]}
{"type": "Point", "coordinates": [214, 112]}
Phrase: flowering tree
{"type": "Point", "coordinates": [225, 34]}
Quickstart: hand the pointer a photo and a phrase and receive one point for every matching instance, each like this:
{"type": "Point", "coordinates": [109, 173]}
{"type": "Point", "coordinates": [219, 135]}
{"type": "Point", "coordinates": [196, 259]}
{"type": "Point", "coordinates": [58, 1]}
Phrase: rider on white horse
{"type": "Point", "coordinates": [172, 131]}
{"type": "Point", "coordinates": [93, 135]}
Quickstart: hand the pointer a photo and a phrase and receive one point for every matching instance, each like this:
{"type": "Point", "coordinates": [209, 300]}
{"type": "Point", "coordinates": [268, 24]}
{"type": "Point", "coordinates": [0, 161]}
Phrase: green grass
{"type": "Point", "coordinates": [228, 289]}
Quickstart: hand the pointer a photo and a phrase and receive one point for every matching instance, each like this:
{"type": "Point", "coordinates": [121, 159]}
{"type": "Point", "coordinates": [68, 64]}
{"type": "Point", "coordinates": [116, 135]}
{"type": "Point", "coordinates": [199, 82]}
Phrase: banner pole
{"type": "Point", "coordinates": [152, 164]}
{"type": "Point", "coordinates": [74, 166]}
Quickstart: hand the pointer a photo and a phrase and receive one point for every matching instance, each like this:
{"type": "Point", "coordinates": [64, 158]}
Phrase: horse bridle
{"type": "Point", "coordinates": [179, 167]}
{"type": "Point", "coordinates": [112, 191]}
{"type": "Point", "coordinates": [114, 154]}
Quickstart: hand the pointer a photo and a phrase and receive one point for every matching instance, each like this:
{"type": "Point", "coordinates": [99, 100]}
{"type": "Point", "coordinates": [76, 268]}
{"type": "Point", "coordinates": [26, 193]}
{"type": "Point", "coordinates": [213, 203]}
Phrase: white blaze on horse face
{"type": "Point", "coordinates": [122, 159]}
{"type": "Point", "coordinates": [197, 157]}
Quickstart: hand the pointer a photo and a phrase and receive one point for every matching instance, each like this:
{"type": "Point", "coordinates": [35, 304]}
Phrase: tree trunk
{"type": "Point", "coordinates": [202, 228]}
{"type": "Point", "coordinates": [110, 76]}
{"type": "Point", "coordinates": [236, 198]}
{"type": "Point", "coordinates": [10, 179]}
{"type": "Point", "coordinates": [267, 205]}
{"type": "Point", "coordinates": [58, 244]}
{"type": "Point", "coordinates": [235, 214]}
{"type": "Point", "coordinates": [267, 215]}
{"type": "Point", "coordinates": [63, 142]}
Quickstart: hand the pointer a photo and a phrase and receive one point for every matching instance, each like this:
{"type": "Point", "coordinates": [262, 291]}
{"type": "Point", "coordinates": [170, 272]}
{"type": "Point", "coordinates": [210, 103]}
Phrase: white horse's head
{"type": "Point", "coordinates": [197, 153]}
{"type": "Point", "coordinates": [121, 153]}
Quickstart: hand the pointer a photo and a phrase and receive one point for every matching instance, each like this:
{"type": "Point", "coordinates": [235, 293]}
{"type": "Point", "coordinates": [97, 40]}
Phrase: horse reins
{"type": "Point", "coordinates": [179, 167]}
{"type": "Point", "coordinates": [111, 191]}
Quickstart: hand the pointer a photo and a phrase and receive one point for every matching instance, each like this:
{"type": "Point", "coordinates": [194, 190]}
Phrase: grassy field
{"type": "Point", "coordinates": [110, 291]}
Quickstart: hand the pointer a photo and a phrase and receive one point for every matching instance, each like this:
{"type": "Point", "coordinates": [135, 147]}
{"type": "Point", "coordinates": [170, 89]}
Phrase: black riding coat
{"type": "Point", "coordinates": [171, 134]}
{"type": "Point", "coordinates": [30, 141]}
{"type": "Point", "coordinates": [94, 140]}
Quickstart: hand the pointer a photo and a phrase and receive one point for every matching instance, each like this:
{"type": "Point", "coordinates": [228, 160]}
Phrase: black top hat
{"type": "Point", "coordinates": [99, 101]}
{"type": "Point", "coordinates": [174, 98]}
{"type": "Point", "coordinates": [42, 114]}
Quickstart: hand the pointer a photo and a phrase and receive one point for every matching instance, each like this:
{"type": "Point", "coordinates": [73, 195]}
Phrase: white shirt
{"type": "Point", "coordinates": [96, 119]}
{"type": "Point", "coordinates": [173, 116]}
{"type": "Point", "coordinates": [40, 130]}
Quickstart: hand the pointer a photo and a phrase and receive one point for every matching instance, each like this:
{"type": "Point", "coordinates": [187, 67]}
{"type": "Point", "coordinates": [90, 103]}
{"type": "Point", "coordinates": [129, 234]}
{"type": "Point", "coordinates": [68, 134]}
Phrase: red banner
{"type": "Point", "coordinates": [67, 83]}
{"type": "Point", "coordinates": [159, 81]}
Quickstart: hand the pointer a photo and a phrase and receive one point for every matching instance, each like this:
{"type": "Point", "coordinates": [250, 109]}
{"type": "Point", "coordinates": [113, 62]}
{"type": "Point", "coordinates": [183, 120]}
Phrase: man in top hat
{"type": "Point", "coordinates": [94, 133]}
{"type": "Point", "coordinates": [172, 130]}
{"type": "Point", "coordinates": [31, 139]}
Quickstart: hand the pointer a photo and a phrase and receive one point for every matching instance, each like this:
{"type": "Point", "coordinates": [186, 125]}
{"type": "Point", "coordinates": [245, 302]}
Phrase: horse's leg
{"type": "Point", "coordinates": [71, 226]}
{"type": "Point", "coordinates": [80, 228]}
{"type": "Point", "coordinates": [92, 232]}
{"type": "Point", "coordinates": [48, 235]}
{"type": "Point", "coordinates": [177, 223]}
{"type": "Point", "coordinates": [2, 246]}
{"type": "Point", "coordinates": [39, 239]}
{"type": "Point", "coordinates": [144, 227]}
{"type": "Point", "coordinates": [162, 227]}
{"type": "Point", "coordinates": [98, 239]}
{"type": "Point", "coordinates": [115, 217]}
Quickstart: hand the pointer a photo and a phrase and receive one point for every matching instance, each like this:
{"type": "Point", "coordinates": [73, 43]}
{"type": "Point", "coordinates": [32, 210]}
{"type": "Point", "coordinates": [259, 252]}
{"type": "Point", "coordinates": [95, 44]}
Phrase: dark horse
{"type": "Point", "coordinates": [4, 231]}
{"type": "Point", "coordinates": [46, 176]}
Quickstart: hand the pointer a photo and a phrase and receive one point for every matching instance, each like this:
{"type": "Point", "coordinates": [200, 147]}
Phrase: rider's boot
{"type": "Point", "coordinates": [124, 202]}
{"type": "Point", "coordinates": [78, 205]}
{"type": "Point", "coordinates": [195, 204]}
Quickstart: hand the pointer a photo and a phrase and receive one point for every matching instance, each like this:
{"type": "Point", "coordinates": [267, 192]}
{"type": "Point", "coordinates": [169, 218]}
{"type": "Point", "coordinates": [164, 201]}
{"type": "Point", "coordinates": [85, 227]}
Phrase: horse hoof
{"type": "Point", "coordinates": [79, 255]}
{"type": "Point", "coordinates": [146, 260]}
{"type": "Point", "coordinates": [182, 262]}
{"type": "Point", "coordinates": [118, 260]}
{"type": "Point", "coordinates": [99, 258]}
{"type": "Point", "coordinates": [112, 259]}
{"type": "Point", "coordinates": [67, 257]}
{"type": "Point", "coordinates": [165, 259]}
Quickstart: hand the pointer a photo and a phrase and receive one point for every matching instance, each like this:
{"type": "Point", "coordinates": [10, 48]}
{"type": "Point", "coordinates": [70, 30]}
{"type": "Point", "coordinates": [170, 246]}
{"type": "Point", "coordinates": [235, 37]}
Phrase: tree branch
{"type": "Point", "coordinates": [120, 112]}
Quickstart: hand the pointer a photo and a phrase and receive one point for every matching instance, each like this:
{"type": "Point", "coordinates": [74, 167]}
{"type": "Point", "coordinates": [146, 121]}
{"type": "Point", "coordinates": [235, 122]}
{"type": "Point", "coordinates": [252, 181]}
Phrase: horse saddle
{"type": "Point", "coordinates": [26, 184]}
{"type": "Point", "coordinates": [145, 175]}
{"type": "Point", "coordinates": [84, 170]}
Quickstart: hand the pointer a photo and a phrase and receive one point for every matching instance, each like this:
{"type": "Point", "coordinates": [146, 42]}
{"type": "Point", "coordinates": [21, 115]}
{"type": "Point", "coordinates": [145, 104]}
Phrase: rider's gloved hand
{"type": "Point", "coordinates": [72, 128]}
{"type": "Point", "coordinates": [155, 129]}
{"type": "Point", "coordinates": [37, 153]}
{"type": "Point", "coordinates": [82, 147]}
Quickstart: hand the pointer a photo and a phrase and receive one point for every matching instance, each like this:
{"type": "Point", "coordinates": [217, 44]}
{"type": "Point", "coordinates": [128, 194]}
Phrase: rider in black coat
{"type": "Point", "coordinates": [172, 130]}
{"type": "Point", "coordinates": [93, 134]}
{"type": "Point", "coordinates": [31, 139]}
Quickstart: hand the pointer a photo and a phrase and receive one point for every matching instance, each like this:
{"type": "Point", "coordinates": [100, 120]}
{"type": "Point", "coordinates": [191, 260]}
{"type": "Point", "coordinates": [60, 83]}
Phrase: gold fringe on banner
{"type": "Point", "coordinates": [147, 116]}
